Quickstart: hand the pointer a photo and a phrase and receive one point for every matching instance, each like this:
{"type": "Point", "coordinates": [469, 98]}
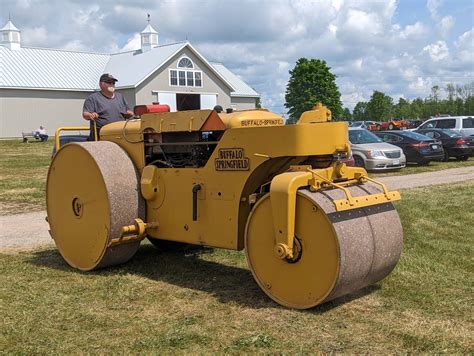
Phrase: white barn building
{"type": "Point", "coordinates": [40, 86]}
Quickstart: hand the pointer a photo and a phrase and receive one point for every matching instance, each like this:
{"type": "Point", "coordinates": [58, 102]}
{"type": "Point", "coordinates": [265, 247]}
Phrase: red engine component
{"type": "Point", "coordinates": [153, 108]}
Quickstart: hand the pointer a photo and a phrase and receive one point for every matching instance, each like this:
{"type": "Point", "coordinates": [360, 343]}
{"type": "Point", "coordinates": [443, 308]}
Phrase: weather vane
{"type": "Point", "coordinates": [148, 15]}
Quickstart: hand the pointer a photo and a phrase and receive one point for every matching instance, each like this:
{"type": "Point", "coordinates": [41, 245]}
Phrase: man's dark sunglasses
{"type": "Point", "coordinates": [109, 81]}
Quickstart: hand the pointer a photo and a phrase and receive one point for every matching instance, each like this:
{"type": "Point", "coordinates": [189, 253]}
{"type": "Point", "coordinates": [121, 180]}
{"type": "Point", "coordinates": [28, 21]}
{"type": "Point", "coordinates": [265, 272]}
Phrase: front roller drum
{"type": "Point", "coordinates": [92, 191]}
{"type": "Point", "coordinates": [336, 253]}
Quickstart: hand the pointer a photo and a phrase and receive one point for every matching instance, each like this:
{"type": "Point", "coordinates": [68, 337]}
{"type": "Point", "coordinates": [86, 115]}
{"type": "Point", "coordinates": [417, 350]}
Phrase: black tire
{"type": "Point", "coordinates": [423, 163]}
{"type": "Point", "coordinates": [359, 162]}
{"type": "Point", "coordinates": [463, 158]}
{"type": "Point", "coordinates": [446, 156]}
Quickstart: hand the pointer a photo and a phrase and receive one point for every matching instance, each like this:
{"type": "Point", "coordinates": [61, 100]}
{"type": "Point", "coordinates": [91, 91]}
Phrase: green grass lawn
{"type": "Point", "coordinates": [23, 172]}
{"type": "Point", "coordinates": [206, 301]}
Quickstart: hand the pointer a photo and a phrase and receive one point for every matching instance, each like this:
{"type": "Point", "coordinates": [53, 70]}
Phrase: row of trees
{"type": "Point", "coordinates": [381, 107]}
{"type": "Point", "coordinates": [311, 81]}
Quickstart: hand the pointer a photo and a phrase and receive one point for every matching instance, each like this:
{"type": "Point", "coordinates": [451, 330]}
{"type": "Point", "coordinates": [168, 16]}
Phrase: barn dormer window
{"type": "Point", "coordinates": [185, 75]}
{"type": "Point", "coordinates": [185, 62]}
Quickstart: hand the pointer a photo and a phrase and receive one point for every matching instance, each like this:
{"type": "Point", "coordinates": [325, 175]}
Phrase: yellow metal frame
{"type": "Point", "coordinates": [283, 190]}
{"type": "Point", "coordinates": [72, 128]}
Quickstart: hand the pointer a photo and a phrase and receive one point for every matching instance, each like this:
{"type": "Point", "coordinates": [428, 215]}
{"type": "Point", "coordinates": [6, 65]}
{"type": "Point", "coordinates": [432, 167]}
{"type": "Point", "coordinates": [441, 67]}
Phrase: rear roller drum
{"type": "Point", "coordinates": [92, 192]}
{"type": "Point", "coordinates": [335, 252]}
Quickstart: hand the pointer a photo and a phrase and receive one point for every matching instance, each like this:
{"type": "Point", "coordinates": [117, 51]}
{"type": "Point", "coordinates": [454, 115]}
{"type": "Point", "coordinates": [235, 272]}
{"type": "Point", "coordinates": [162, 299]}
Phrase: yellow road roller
{"type": "Point", "coordinates": [313, 229]}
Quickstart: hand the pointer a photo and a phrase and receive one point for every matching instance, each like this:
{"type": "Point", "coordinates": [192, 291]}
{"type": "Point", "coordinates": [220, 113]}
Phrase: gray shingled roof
{"type": "Point", "coordinates": [55, 69]}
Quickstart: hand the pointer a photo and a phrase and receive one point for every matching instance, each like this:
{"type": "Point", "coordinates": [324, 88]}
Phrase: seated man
{"type": "Point", "coordinates": [41, 134]}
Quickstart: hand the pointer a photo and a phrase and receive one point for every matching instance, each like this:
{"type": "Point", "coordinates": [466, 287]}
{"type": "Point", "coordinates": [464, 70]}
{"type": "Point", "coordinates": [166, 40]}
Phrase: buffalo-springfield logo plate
{"type": "Point", "coordinates": [265, 122]}
{"type": "Point", "coordinates": [232, 159]}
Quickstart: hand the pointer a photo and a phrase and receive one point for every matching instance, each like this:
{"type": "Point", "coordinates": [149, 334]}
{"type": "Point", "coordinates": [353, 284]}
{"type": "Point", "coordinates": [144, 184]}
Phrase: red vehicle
{"type": "Point", "coordinates": [394, 124]}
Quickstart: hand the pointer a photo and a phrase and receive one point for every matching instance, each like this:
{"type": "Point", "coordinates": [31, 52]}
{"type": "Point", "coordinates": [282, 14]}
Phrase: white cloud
{"type": "Point", "coordinates": [86, 16]}
{"type": "Point", "coordinates": [362, 22]}
{"type": "Point", "coordinates": [283, 66]}
{"type": "Point", "coordinates": [332, 29]}
{"type": "Point", "coordinates": [466, 40]}
{"type": "Point", "coordinates": [437, 51]}
{"type": "Point", "coordinates": [411, 72]}
{"type": "Point", "coordinates": [433, 6]}
{"type": "Point", "coordinates": [132, 43]}
{"type": "Point", "coordinates": [465, 47]}
{"type": "Point", "coordinates": [447, 23]}
{"type": "Point", "coordinates": [24, 4]}
{"type": "Point", "coordinates": [357, 64]}
{"type": "Point", "coordinates": [413, 31]}
{"type": "Point", "coordinates": [421, 85]}
{"type": "Point", "coordinates": [36, 37]}
{"type": "Point", "coordinates": [337, 4]}
{"type": "Point", "coordinates": [75, 45]}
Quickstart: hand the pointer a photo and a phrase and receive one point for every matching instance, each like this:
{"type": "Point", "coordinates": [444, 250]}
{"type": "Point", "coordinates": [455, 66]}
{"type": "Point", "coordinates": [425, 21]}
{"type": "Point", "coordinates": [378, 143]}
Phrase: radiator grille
{"type": "Point", "coordinates": [392, 154]}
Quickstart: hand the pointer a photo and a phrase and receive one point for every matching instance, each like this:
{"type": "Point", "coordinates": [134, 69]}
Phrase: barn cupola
{"type": "Point", "coordinates": [149, 37]}
{"type": "Point", "coordinates": [10, 36]}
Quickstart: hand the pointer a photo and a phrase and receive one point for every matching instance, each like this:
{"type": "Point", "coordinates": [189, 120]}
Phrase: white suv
{"type": "Point", "coordinates": [462, 124]}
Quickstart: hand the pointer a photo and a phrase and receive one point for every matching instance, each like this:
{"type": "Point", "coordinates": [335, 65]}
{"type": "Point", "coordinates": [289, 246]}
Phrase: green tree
{"type": "Point", "coordinates": [402, 109]}
{"type": "Point", "coordinates": [360, 111]}
{"type": "Point", "coordinates": [311, 82]}
{"type": "Point", "coordinates": [346, 114]}
{"type": "Point", "coordinates": [450, 106]}
{"type": "Point", "coordinates": [458, 106]}
{"type": "Point", "coordinates": [469, 106]}
{"type": "Point", "coordinates": [379, 106]}
{"type": "Point", "coordinates": [258, 104]}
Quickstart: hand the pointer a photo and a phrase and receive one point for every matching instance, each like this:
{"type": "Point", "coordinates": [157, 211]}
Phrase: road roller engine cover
{"type": "Point", "coordinates": [312, 228]}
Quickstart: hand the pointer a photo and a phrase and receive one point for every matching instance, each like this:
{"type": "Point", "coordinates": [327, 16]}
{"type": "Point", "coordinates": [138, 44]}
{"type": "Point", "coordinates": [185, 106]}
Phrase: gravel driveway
{"type": "Point", "coordinates": [22, 232]}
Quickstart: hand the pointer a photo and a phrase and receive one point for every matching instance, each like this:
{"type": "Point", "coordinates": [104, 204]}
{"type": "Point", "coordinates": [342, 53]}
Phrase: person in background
{"type": "Point", "coordinates": [41, 134]}
{"type": "Point", "coordinates": [105, 106]}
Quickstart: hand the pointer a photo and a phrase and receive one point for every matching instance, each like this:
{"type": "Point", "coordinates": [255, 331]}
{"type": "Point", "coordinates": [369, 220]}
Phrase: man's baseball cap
{"type": "Point", "coordinates": [106, 77]}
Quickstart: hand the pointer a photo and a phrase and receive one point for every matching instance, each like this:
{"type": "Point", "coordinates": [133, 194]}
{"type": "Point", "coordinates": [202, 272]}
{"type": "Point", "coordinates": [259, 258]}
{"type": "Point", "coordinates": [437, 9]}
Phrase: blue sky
{"type": "Point", "coordinates": [400, 47]}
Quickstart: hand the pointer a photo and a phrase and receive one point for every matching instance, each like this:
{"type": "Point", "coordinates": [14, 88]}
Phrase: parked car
{"type": "Point", "coordinates": [454, 144]}
{"type": "Point", "coordinates": [363, 124]}
{"type": "Point", "coordinates": [325, 161]}
{"type": "Point", "coordinates": [417, 148]}
{"type": "Point", "coordinates": [461, 124]}
{"type": "Point", "coordinates": [356, 123]}
{"type": "Point", "coordinates": [372, 153]}
{"type": "Point", "coordinates": [413, 124]}
{"type": "Point", "coordinates": [394, 124]}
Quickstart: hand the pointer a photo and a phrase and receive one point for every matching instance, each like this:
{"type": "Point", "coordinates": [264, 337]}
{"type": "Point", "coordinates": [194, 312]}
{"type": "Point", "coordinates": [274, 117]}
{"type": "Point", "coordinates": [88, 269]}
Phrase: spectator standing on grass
{"type": "Point", "coordinates": [105, 106]}
{"type": "Point", "coordinates": [41, 134]}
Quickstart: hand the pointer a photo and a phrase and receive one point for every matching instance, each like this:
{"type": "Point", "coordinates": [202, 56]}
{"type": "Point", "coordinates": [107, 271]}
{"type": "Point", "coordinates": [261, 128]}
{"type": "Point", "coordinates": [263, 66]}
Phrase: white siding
{"type": "Point", "coordinates": [25, 110]}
